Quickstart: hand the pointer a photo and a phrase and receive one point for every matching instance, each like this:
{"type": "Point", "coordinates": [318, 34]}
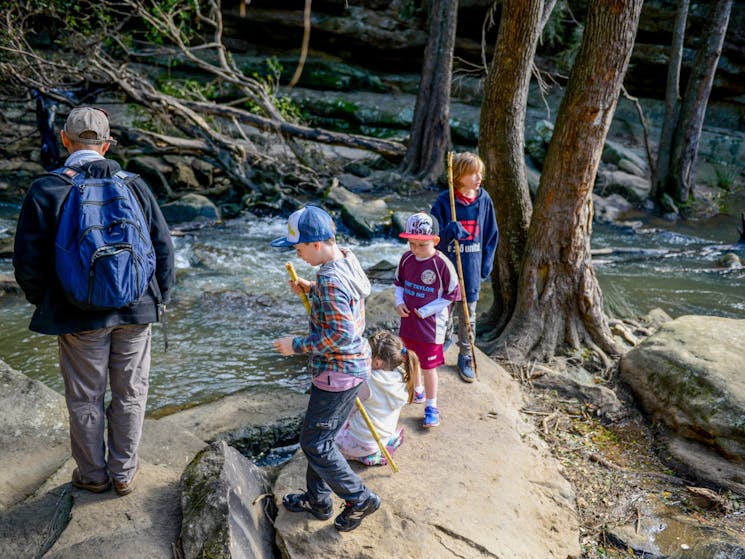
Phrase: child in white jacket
{"type": "Point", "coordinates": [388, 388]}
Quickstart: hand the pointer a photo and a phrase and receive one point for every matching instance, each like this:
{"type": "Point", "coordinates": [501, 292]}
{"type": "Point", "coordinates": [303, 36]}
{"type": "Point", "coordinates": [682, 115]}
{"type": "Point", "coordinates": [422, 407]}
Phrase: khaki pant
{"type": "Point", "coordinates": [119, 356]}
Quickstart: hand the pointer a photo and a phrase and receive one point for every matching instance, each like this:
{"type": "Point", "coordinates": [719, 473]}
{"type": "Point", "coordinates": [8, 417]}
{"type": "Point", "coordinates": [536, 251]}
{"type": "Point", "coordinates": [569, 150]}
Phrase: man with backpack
{"type": "Point", "coordinates": [94, 255]}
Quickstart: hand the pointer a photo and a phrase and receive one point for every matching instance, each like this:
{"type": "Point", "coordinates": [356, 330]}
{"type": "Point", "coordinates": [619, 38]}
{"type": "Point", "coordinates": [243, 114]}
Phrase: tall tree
{"type": "Point", "coordinates": [693, 107]}
{"type": "Point", "coordinates": [502, 143]}
{"type": "Point", "coordinates": [672, 102]}
{"type": "Point", "coordinates": [430, 130]}
{"type": "Point", "coordinates": [559, 301]}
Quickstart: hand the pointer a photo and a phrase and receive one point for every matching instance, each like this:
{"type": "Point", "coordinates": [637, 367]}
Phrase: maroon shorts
{"type": "Point", "coordinates": [430, 355]}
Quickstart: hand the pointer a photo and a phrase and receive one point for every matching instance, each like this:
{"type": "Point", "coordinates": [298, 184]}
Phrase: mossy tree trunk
{"type": "Point", "coordinates": [559, 302]}
{"type": "Point", "coordinates": [430, 129]}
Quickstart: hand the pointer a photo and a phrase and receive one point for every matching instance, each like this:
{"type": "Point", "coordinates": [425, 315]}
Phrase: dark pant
{"type": "Point", "coordinates": [328, 470]}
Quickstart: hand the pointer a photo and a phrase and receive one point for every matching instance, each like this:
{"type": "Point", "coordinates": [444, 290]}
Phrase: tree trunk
{"type": "Point", "coordinates": [693, 109]}
{"type": "Point", "coordinates": [501, 146]}
{"type": "Point", "coordinates": [430, 129]}
{"type": "Point", "coordinates": [672, 103]}
{"type": "Point", "coordinates": [559, 301]}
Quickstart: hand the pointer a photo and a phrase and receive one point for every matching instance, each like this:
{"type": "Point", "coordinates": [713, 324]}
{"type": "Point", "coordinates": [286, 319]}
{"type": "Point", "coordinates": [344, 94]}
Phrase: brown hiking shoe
{"type": "Point", "coordinates": [123, 488]}
{"type": "Point", "coordinates": [99, 487]}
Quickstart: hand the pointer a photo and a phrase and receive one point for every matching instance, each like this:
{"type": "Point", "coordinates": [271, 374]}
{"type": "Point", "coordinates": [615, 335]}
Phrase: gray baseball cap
{"type": "Point", "coordinates": [88, 125]}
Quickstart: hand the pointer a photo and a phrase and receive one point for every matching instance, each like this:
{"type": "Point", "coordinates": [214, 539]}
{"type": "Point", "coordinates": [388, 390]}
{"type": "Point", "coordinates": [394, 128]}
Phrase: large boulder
{"type": "Point", "coordinates": [688, 375]}
{"type": "Point", "coordinates": [222, 499]}
{"type": "Point", "coordinates": [191, 208]}
{"type": "Point", "coordinates": [366, 218]}
{"type": "Point", "coordinates": [33, 434]}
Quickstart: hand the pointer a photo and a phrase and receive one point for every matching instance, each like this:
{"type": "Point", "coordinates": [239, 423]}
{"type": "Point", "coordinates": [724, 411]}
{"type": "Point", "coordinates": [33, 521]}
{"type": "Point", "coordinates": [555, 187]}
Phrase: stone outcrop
{"type": "Point", "coordinates": [223, 499]}
{"type": "Point", "coordinates": [33, 434]}
{"type": "Point", "coordinates": [688, 376]}
{"type": "Point", "coordinates": [482, 484]}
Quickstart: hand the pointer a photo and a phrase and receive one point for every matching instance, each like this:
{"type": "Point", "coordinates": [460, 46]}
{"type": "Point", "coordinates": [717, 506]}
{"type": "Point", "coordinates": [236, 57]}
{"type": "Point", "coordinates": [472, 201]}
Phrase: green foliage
{"type": "Point", "coordinates": [553, 34]}
{"type": "Point", "coordinates": [562, 35]}
{"type": "Point", "coordinates": [269, 75]}
{"type": "Point", "coordinates": [189, 89]}
{"type": "Point", "coordinates": [726, 176]}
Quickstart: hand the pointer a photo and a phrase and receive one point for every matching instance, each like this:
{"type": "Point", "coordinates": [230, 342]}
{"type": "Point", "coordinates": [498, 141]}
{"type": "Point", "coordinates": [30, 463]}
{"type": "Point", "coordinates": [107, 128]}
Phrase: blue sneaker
{"type": "Point", "coordinates": [465, 367]}
{"type": "Point", "coordinates": [431, 417]}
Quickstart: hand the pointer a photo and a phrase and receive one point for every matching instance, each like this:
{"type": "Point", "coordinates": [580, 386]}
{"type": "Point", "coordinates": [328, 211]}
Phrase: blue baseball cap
{"type": "Point", "coordinates": [307, 225]}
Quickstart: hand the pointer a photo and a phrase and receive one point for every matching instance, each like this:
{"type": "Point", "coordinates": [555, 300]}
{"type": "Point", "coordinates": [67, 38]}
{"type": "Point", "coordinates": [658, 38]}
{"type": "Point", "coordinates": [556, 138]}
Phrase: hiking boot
{"type": "Point", "coordinates": [300, 502]}
{"type": "Point", "coordinates": [99, 487]}
{"type": "Point", "coordinates": [123, 488]}
{"type": "Point", "coordinates": [353, 513]}
{"type": "Point", "coordinates": [418, 397]}
{"type": "Point", "coordinates": [465, 367]}
{"type": "Point", "coordinates": [431, 416]}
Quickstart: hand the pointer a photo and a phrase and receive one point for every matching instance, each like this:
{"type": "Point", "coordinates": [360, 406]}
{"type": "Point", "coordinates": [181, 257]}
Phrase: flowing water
{"type": "Point", "coordinates": [232, 300]}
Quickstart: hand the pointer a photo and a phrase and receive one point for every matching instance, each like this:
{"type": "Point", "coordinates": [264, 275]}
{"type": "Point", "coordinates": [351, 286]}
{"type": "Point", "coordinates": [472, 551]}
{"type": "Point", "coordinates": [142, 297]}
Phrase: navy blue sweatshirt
{"type": "Point", "coordinates": [476, 252]}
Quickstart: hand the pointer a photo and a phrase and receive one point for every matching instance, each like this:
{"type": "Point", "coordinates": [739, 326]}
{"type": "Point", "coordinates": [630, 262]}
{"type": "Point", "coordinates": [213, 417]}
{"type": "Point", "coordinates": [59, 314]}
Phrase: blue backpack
{"type": "Point", "coordinates": [104, 256]}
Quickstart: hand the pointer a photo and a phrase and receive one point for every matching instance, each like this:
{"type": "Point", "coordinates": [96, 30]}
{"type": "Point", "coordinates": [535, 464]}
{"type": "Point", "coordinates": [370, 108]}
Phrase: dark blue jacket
{"type": "Point", "coordinates": [33, 258]}
{"type": "Point", "coordinates": [476, 252]}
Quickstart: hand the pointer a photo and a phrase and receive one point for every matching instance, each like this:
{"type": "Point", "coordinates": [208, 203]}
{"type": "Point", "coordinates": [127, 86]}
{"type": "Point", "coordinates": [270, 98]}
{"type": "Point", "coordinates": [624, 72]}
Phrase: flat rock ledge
{"type": "Point", "coordinates": [482, 484]}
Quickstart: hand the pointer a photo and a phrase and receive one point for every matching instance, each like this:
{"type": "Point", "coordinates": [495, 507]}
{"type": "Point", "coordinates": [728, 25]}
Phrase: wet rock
{"type": "Point", "coordinates": [688, 376]}
{"type": "Point", "coordinates": [191, 208]}
{"type": "Point", "coordinates": [222, 500]}
{"type": "Point", "coordinates": [729, 260]}
{"type": "Point", "coordinates": [382, 272]}
{"type": "Point", "coordinates": [8, 284]}
{"type": "Point", "coordinates": [610, 208]}
{"type": "Point", "coordinates": [6, 247]}
{"type": "Point", "coordinates": [366, 218]}
{"type": "Point", "coordinates": [659, 532]}
{"type": "Point", "coordinates": [633, 188]}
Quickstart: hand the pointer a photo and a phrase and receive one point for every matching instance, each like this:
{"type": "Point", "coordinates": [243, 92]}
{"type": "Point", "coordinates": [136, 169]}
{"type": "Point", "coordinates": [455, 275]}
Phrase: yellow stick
{"type": "Point", "coordinates": [357, 401]}
{"type": "Point", "coordinates": [466, 314]}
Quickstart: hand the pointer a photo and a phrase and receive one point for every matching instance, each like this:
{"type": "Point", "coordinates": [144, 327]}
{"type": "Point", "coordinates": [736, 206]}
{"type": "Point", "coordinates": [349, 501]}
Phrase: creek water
{"type": "Point", "coordinates": [232, 300]}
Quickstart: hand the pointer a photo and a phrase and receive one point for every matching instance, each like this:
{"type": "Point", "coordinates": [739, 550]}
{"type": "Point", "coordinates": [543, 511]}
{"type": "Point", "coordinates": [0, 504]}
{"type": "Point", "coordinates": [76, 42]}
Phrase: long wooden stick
{"type": "Point", "coordinates": [466, 314]}
{"type": "Point", "coordinates": [357, 401]}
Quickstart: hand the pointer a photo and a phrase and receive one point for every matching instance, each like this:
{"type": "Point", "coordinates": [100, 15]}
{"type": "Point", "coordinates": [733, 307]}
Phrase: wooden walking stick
{"type": "Point", "coordinates": [459, 265]}
{"type": "Point", "coordinates": [357, 401]}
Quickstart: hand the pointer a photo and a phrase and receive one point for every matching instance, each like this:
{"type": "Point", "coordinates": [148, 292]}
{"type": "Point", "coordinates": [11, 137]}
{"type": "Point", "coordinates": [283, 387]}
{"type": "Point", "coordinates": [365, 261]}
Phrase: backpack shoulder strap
{"type": "Point", "coordinates": [126, 176]}
{"type": "Point", "coordinates": [69, 174]}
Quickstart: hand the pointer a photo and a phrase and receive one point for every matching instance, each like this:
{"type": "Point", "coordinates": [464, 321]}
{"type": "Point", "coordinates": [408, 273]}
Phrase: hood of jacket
{"type": "Point", "coordinates": [348, 273]}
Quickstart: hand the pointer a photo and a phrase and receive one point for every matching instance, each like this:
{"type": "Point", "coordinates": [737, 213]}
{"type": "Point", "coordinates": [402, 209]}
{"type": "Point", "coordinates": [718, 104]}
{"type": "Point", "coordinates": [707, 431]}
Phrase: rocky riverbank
{"type": "Point", "coordinates": [525, 464]}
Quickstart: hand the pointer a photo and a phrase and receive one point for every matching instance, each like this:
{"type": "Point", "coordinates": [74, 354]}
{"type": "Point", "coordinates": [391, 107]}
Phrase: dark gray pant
{"type": "Point", "coordinates": [328, 470]}
{"type": "Point", "coordinates": [464, 348]}
{"type": "Point", "coordinates": [119, 356]}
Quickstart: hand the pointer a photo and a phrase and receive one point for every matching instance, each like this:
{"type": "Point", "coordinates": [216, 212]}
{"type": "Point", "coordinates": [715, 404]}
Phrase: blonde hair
{"type": "Point", "coordinates": [466, 163]}
{"type": "Point", "coordinates": [389, 348]}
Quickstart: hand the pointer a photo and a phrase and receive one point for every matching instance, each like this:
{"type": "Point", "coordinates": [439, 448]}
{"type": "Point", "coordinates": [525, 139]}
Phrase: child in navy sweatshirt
{"type": "Point", "coordinates": [475, 228]}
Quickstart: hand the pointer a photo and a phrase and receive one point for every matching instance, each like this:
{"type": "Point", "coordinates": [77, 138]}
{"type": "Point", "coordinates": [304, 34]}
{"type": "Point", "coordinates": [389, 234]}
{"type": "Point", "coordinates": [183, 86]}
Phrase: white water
{"type": "Point", "coordinates": [232, 300]}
